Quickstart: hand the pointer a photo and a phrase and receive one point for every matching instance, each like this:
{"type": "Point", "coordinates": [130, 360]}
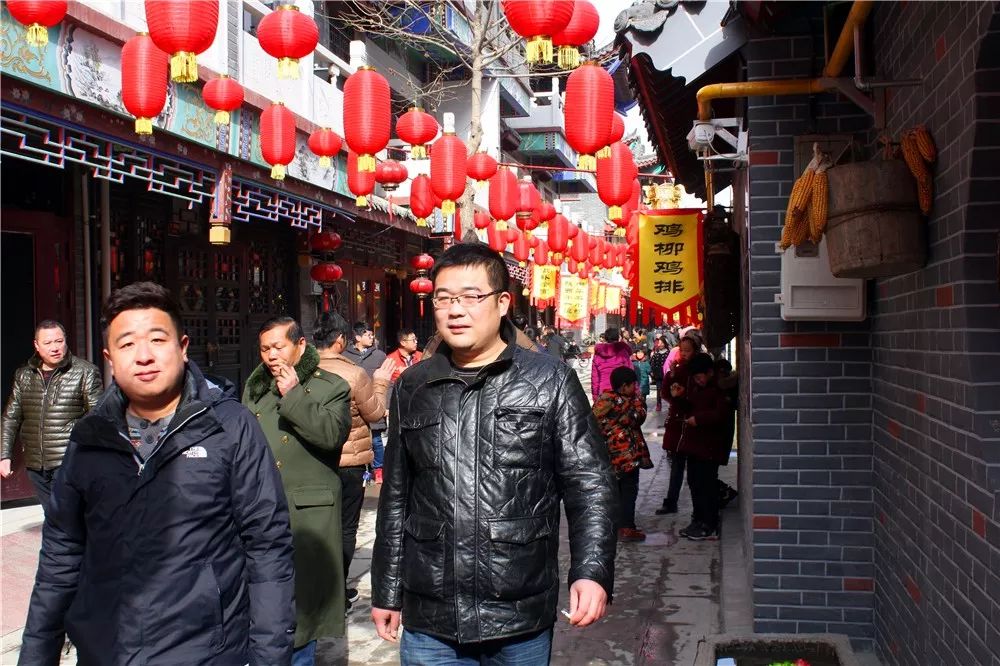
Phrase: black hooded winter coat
{"type": "Point", "coordinates": [184, 560]}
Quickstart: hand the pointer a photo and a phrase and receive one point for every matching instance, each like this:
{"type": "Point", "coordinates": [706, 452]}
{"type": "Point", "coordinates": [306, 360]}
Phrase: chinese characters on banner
{"type": "Point", "coordinates": [543, 285]}
{"type": "Point", "coordinates": [670, 271]}
{"type": "Point", "coordinates": [595, 306]}
{"type": "Point", "coordinates": [572, 301]}
{"type": "Point", "coordinates": [613, 300]}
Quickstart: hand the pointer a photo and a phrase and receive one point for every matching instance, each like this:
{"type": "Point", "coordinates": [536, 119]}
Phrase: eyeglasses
{"type": "Point", "coordinates": [408, 340]}
{"type": "Point", "coordinates": [465, 300]}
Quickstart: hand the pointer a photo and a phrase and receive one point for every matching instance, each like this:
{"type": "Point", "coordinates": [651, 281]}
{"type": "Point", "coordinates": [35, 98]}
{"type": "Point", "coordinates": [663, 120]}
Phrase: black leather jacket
{"type": "Point", "coordinates": [468, 523]}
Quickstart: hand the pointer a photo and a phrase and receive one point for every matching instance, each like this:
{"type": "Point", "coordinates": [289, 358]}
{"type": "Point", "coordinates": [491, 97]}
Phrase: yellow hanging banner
{"type": "Point", "coordinates": [613, 300]}
{"type": "Point", "coordinates": [543, 284]}
{"type": "Point", "coordinates": [572, 299]}
{"type": "Point", "coordinates": [670, 271]}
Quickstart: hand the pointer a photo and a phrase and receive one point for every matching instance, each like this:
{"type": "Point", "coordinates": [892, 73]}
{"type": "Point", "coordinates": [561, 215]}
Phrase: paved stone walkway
{"type": "Point", "coordinates": [666, 590]}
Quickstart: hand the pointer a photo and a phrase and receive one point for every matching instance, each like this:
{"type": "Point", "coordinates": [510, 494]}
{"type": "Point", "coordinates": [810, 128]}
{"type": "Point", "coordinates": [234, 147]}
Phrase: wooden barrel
{"type": "Point", "coordinates": [874, 228]}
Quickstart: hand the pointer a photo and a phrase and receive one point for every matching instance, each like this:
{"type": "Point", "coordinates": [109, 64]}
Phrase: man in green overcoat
{"type": "Point", "coordinates": [305, 413]}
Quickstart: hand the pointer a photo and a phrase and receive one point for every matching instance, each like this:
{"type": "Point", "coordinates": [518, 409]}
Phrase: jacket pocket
{"type": "Point", "coordinates": [520, 565]}
{"type": "Point", "coordinates": [518, 434]}
{"type": "Point", "coordinates": [306, 496]}
{"type": "Point", "coordinates": [424, 556]}
{"type": "Point", "coordinates": [421, 437]}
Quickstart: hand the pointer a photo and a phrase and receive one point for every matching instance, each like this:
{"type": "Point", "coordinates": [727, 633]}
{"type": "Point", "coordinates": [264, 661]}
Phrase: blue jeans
{"type": "Point", "coordinates": [378, 448]}
{"type": "Point", "coordinates": [305, 655]}
{"type": "Point", "coordinates": [419, 649]}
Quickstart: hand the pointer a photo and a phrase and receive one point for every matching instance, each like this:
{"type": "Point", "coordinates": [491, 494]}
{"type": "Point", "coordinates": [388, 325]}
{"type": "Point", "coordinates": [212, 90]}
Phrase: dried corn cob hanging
{"type": "Point", "coordinates": [819, 201]}
{"type": "Point", "coordinates": [918, 152]}
{"type": "Point", "coordinates": [796, 229]}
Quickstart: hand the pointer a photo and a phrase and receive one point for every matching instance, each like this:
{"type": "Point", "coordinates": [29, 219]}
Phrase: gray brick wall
{"type": "Point", "coordinates": [810, 418]}
{"type": "Point", "coordinates": [936, 335]}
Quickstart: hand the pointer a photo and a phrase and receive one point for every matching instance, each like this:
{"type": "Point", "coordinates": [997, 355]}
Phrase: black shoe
{"type": "Point", "coordinates": [684, 530]}
{"type": "Point", "coordinates": [665, 509]}
{"type": "Point", "coordinates": [727, 495]}
{"type": "Point", "coordinates": [701, 532]}
{"type": "Point", "coordinates": [352, 595]}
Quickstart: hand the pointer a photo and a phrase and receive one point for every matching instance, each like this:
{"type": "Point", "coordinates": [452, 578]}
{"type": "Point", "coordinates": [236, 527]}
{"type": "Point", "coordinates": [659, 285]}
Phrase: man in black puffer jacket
{"type": "Point", "coordinates": [485, 440]}
{"type": "Point", "coordinates": [167, 538]}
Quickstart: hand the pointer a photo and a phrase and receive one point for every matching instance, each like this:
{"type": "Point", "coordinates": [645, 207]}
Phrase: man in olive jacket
{"type": "Point", "coordinates": [305, 414]}
{"type": "Point", "coordinates": [51, 391]}
{"type": "Point", "coordinates": [486, 440]}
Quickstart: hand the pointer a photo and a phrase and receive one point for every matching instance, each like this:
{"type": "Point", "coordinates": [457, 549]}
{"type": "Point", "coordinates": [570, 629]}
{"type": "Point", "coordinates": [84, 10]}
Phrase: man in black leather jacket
{"type": "Point", "coordinates": [486, 438]}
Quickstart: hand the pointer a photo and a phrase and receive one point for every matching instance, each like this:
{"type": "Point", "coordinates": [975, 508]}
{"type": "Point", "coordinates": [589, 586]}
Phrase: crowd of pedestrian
{"type": "Point", "coordinates": [182, 526]}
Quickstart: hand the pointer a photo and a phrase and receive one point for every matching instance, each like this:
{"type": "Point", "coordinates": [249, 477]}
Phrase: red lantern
{"type": "Point", "coordinates": [390, 174]}
{"type": "Point", "coordinates": [559, 233]}
{"type": "Point", "coordinates": [610, 258]}
{"type": "Point", "coordinates": [448, 168]}
{"type": "Point", "coordinates": [503, 196]}
{"type": "Point", "coordinates": [582, 28]}
{"type": "Point", "coordinates": [615, 175]}
{"type": "Point", "coordinates": [417, 128]}
{"type": "Point", "coordinates": [423, 288]}
{"type": "Point", "coordinates": [589, 108]}
{"type": "Point", "coordinates": [325, 143]}
{"type": "Point", "coordinates": [183, 28]}
{"type": "Point", "coordinates": [360, 183]}
{"type": "Point", "coordinates": [541, 254]}
{"type": "Point", "coordinates": [544, 212]}
{"type": "Point", "coordinates": [422, 200]}
{"type": "Point", "coordinates": [144, 81]}
{"type": "Point", "coordinates": [537, 21]}
{"type": "Point", "coordinates": [38, 16]}
{"type": "Point", "coordinates": [580, 250]}
{"type": "Point", "coordinates": [617, 132]}
{"type": "Point", "coordinates": [367, 110]}
{"type": "Point", "coordinates": [422, 263]}
{"type": "Point", "coordinates": [527, 200]}
{"type": "Point", "coordinates": [521, 249]}
{"type": "Point", "coordinates": [277, 138]}
{"type": "Point", "coordinates": [223, 95]}
{"type": "Point", "coordinates": [496, 238]}
{"type": "Point", "coordinates": [325, 242]}
{"type": "Point", "coordinates": [481, 167]}
{"type": "Point", "coordinates": [481, 220]}
{"type": "Point", "coordinates": [326, 273]}
{"type": "Point", "coordinates": [288, 35]}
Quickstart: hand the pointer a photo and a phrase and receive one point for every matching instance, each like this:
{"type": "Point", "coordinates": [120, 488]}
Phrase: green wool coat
{"type": "Point", "coordinates": [306, 430]}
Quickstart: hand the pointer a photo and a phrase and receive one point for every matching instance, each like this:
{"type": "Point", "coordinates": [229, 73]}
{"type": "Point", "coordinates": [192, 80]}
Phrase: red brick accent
{"type": "Point", "coordinates": [944, 297]}
{"type": "Point", "coordinates": [763, 157]}
{"type": "Point", "coordinates": [894, 428]}
{"type": "Point", "coordinates": [766, 522]}
{"type": "Point", "coordinates": [912, 589]}
{"type": "Point", "coordinates": [810, 340]}
{"type": "Point", "coordinates": [979, 523]}
{"type": "Point", "coordinates": [921, 403]}
{"type": "Point", "coordinates": [882, 518]}
{"type": "Point", "coordinates": [940, 48]}
{"type": "Point", "coordinates": [859, 584]}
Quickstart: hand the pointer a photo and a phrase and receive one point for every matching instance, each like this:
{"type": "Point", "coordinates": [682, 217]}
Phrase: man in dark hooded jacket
{"type": "Point", "coordinates": [167, 538]}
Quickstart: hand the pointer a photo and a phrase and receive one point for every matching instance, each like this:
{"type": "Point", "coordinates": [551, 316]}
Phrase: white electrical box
{"type": "Point", "coordinates": [810, 292]}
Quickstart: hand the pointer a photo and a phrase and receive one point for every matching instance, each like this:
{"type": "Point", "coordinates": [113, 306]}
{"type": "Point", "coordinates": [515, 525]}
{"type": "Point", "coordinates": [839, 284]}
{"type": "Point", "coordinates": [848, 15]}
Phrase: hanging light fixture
{"type": "Point", "coordinates": [588, 112]}
{"type": "Point", "coordinates": [367, 109]}
{"type": "Point", "coordinates": [288, 35]}
{"type": "Point", "coordinates": [537, 21]}
{"type": "Point", "coordinates": [144, 81]}
{"type": "Point", "coordinates": [325, 143]}
{"type": "Point", "coordinates": [503, 196]}
{"type": "Point", "coordinates": [277, 138]}
{"type": "Point", "coordinates": [582, 28]}
{"type": "Point", "coordinates": [448, 166]}
{"type": "Point", "coordinates": [223, 95]}
{"type": "Point", "coordinates": [417, 128]}
{"type": "Point", "coordinates": [37, 16]}
{"type": "Point", "coordinates": [183, 28]}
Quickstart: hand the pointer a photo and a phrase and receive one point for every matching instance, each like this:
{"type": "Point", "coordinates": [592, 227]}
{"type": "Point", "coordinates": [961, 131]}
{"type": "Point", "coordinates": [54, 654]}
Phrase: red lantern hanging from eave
{"type": "Point", "coordinates": [422, 200]}
{"type": "Point", "coordinates": [537, 21]}
{"type": "Point", "coordinates": [288, 35]}
{"type": "Point", "coordinates": [390, 174]}
{"type": "Point", "coordinates": [360, 183]}
{"type": "Point", "coordinates": [37, 16]}
{"type": "Point", "coordinates": [183, 28]}
{"type": "Point", "coordinates": [417, 128]}
{"type": "Point", "coordinates": [144, 81]}
{"type": "Point", "coordinates": [481, 167]}
{"type": "Point", "coordinates": [367, 110]}
{"type": "Point", "coordinates": [422, 263]}
{"type": "Point", "coordinates": [617, 132]}
{"type": "Point", "coordinates": [277, 138]}
{"type": "Point", "coordinates": [325, 143]}
{"type": "Point", "coordinates": [422, 287]}
{"type": "Point", "coordinates": [324, 242]}
{"type": "Point", "coordinates": [615, 175]}
{"type": "Point", "coordinates": [481, 220]}
{"type": "Point", "coordinates": [223, 95]}
{"type": "Point", "coordinates": [326, 273]}
{"type": "Point", "coordinates": [589, 107]}
{"type": "Point", "coordinates": [582, 28]}
{"type": "Point", "coordinates": [503, 196]}
{"type": "Point", "coordinates": [448, 166]}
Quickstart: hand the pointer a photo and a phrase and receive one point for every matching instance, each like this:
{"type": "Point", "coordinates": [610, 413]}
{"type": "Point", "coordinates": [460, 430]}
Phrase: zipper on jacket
{"type": "Point", "coordinates": [142, 464]}
{"type": "Point", "coordinates": [41, 416]}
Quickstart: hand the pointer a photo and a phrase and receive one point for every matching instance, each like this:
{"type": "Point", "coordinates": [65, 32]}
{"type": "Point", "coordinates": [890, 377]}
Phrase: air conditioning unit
{"type": "Point", "coordinates": [810, 292]}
